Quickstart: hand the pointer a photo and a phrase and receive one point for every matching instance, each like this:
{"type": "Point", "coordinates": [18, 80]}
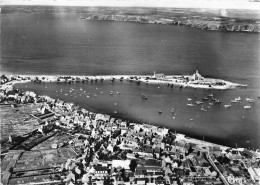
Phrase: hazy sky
{"type": "Point", "coordinates": [226, 4]}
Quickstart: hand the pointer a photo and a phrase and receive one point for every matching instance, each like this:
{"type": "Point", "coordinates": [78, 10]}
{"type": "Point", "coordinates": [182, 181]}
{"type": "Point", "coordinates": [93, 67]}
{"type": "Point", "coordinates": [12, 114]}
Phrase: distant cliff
{"type": "Point", "coordinates": [205, 23]}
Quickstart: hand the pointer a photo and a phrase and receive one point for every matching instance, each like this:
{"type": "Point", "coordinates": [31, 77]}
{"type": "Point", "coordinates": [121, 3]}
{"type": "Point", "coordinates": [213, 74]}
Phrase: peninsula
{"type": "Point", "coordinates": [193, 81]}
{"type": "Point", "coordinates": [205, 19]}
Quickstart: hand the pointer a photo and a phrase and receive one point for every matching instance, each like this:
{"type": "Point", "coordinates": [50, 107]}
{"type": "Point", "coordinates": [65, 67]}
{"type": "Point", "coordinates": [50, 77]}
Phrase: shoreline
{"type": "Point", "coordinates": [53, 78]}
{"type": "Point", "coordinates": [190, 81]}
{"type": "Point", "coordinates": [210, 24]}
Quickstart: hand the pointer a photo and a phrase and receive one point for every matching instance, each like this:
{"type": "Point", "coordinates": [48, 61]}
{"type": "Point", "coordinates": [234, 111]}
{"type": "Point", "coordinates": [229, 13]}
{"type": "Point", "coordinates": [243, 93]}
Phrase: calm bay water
{"type": "Point", "coordinates": [61, 44]}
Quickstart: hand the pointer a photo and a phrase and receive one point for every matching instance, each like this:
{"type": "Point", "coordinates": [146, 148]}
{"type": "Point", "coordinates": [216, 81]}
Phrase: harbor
{"type": "Point", "coordinates": [193, 112]}
{"type": "Point", "coordinates": [74, 145]}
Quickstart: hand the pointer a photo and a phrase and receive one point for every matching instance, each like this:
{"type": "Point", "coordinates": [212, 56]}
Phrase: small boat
{"type": "Point", "coordinates": [172, 111]}
{"type": "Point", "coordinates": [214, 99]}
{"type": "Point", "coordinates": [111, 93]}
{"type": "Point", "coordinates": [191, 105]}
{"type": "Point", "coordinates": [121, 79]}
{"type": "Point", "coordinates": [210, 103]}
{"type": "Point", "coordinates": [189, 99]}
{"type": "Point", "coordinates": [218, 101]}
{"type": "Point", "coordinates": [199, 102]}
{"type": "Point", "coordinates": [251, 100]}
{"type": "Point", "coordinates": [234, 101]}
{"type": "Point", "coordinates": [203, 109]}
{"type": "Point", "coordinates": [144, 97]}
{"type": "Point", "coordinates": [247, 107]}
{"type": "Point", "coordinates": [82, 18]}
{"type": "Point", "coordinates": [210, 95]}
{"type": "Point", "coordinates": [227, 106]}
{"type": "Point", "coordinates": [159, 111]}
{"type": "Point", "coordinates": [238, 99]}
{"type": "Point", "coordinates": [206, 98]}
{"type": "Point", "coordinates": [118, 92]}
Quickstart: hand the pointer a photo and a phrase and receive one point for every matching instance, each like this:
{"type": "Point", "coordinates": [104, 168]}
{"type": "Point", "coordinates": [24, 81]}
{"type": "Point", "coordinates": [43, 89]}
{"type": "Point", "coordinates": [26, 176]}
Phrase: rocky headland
{"type": "Point", "coordinates": [200, 22]}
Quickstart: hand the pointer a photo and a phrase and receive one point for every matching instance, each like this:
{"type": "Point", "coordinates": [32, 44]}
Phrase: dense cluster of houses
{"type": "Point", "coordinates": [113, 151]}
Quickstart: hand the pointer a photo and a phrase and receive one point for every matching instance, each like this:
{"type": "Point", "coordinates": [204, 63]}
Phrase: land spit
{"type": "Point", "coordinates": [192, 81]}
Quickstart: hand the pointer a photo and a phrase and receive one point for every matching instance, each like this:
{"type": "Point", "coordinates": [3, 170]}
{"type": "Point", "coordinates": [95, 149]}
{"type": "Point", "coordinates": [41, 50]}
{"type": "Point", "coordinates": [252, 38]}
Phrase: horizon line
{"type": "Point", "coordinates": [195, 4]}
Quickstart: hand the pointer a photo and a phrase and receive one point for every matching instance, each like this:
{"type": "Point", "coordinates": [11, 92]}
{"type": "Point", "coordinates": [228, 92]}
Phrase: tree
{"type": "Point", "coordinates": [133, 165]}
{"type": "Point", "coordinates": [3, 77]}
{"type": "Point", "coordinates": [123, 173]}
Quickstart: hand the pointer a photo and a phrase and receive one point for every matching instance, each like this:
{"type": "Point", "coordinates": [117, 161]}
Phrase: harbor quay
{"type": "Point", "coordinates": [61, 143]}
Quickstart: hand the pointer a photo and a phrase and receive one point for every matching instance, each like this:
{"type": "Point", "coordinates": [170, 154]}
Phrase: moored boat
{"type": "Point", "coordinates": [227, 106]}
{"type": "Point", "coordinates": [191, 105]}
{"type": "Point", "coordinates": [251, 100]}
{"type": "Point", "coordinates": [218, 101]}
{"type": "Point", "coordinates": [203, 109]}
{"type": "Point", "coordinates": [210, 95]}
{"type": "Point", "coordinates": [199, 102]}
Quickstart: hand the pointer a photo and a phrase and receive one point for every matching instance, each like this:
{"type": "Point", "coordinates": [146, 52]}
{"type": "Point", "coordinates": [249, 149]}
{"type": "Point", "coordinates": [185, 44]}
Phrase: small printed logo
{"type": "Point", "coordinates": [235, 180]}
